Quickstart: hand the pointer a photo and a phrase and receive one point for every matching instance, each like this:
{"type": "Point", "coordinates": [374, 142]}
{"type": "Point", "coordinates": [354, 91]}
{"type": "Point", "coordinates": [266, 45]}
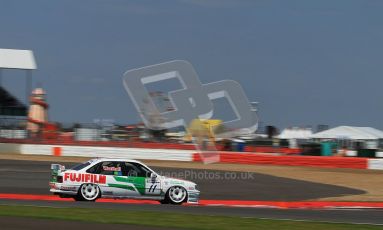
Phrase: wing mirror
{"type": "Point", "coordinates": [153, 176]}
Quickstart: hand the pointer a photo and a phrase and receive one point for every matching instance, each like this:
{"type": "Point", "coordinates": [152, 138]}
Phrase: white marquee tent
{"type": "Point", "coordinates": [295, 133]}
{"type": "Point", "coordinates": [350, 133]}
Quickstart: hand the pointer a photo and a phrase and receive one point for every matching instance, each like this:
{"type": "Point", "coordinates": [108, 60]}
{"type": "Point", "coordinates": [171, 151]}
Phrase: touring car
{"type": "Point", "coordinates": [119, 178]}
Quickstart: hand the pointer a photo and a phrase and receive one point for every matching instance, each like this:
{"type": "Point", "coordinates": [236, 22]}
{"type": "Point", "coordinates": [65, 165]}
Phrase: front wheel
{"type": "Point", "coordinates": [165, 201]}
{"type": "Point", "coordinates": [176, 195]}
{"type": "Point", "coordinates": [88, 192]}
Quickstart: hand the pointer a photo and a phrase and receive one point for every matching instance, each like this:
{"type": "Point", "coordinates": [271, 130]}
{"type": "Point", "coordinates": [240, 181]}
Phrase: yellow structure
{"type": "Point", "coordinates": [203, 130]}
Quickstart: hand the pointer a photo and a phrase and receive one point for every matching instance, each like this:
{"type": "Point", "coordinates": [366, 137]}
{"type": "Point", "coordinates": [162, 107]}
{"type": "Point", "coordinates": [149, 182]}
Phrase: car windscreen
{"type": "Point", "coordinates": [80, 166]}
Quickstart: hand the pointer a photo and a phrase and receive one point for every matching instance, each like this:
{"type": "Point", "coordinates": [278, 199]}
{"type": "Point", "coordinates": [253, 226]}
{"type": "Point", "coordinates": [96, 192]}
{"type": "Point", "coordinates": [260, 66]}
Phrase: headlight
{"type": "Point", "coordinates": [192, 187]}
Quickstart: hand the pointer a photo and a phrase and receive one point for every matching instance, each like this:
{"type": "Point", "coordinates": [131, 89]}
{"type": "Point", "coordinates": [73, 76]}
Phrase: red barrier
{"type": "Point", "coordinates": [270, 149]}
{"type": "Point", "coordinates": [312, 161]}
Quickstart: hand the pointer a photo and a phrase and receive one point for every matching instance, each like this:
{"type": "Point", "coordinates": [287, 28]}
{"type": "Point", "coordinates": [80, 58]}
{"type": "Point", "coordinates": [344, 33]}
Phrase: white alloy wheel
{"type": "Point", "coordinates": [177, 194]}
{"type": "Point", "coordinates": [89, 192]}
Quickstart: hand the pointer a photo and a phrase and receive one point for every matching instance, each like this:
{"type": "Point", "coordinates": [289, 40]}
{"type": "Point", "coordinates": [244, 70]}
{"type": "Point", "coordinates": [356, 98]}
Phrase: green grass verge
{"type": "Point", "coordinates": [175, 220]}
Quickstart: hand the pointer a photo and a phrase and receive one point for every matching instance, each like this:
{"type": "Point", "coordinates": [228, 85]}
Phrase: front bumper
{"type": "Point", "coordinates": [193, 196]}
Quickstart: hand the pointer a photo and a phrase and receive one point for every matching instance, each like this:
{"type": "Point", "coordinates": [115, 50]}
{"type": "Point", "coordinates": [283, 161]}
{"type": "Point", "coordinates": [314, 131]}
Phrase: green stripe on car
{"type": "Point", "coordinates": [139, 182]}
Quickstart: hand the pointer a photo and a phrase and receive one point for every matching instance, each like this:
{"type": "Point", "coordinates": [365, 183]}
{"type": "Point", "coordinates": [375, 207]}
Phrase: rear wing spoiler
{"type": "Point", "coordinates": [56, 169]}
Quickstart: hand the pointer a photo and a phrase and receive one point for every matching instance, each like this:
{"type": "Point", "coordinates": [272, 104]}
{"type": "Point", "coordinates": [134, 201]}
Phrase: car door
{"type": "Point", "coordinates": [138, 176]}
{"type": "Point", "coordinates": [152, 181]}
{"type": "Point", "coordinates": [110, 169]}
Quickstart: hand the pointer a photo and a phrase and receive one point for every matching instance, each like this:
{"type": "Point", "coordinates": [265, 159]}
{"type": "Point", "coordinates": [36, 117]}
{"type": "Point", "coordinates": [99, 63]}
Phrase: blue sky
{"type": "Point", "coordinates": [307, 62]}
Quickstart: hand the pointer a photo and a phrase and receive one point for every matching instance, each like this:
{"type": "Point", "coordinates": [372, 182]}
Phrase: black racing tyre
{"type": "Point", "coordinates": [164, 201]}
{"type": "Point", "coordinates": [78, 198]}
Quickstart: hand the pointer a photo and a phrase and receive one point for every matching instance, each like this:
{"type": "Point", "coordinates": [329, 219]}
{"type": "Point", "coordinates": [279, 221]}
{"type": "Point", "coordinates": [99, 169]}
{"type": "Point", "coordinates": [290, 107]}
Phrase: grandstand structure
{"type": "Point", "coordinates": [10, 105]}
{"type": "Point", "coordinates": [13, 111]}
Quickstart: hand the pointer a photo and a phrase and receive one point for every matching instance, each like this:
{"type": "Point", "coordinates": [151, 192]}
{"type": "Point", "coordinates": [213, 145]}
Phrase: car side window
{"type": "Point", "coordinates": [80, 166]}
{"type": "Point", "coordinates": [145, 170]}
{"type": "Point", "coordinates": [111, 168]}
{"type": "Point", "coordinates": [136, 170]}
{"type": "Point", "coordinates": [94, 169]}
{"type": "Point", "coordinates": [107, 168]}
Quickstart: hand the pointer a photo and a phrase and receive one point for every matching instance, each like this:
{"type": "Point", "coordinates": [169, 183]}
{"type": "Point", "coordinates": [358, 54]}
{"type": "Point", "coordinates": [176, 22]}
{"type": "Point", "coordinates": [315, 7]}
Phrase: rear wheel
{"type": "Point", "coordinates": [88, 192]}
{"type": "Point", "coordinates": [176, 195]}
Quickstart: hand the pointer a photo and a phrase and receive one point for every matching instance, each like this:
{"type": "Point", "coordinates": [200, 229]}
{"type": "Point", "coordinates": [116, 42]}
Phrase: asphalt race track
{"type": "Point", "coordinates": [30, 177]}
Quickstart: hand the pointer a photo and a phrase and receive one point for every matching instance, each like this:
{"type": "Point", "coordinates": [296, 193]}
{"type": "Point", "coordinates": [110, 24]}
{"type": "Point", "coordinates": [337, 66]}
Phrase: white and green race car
{"type": "Point", "coordinates": [119, 178]}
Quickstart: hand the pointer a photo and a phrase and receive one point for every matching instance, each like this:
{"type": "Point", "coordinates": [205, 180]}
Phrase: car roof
{"type": "Point", "coordinates": [114, 159]}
